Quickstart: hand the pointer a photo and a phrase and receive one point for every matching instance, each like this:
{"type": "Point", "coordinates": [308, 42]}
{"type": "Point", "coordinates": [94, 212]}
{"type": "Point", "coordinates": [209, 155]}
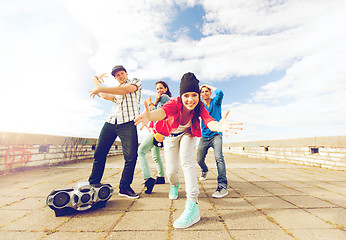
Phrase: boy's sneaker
{"type": "Point", "coordinates": [173, 192]}
{"type": "Point", "coordinates": [220, 192]}
{"type": "Point", "coordinates": [128, 193]}
{"type": "Point", "coordinates": [189, 217]}
{"type": "Point", "coordinates": [203, 177]}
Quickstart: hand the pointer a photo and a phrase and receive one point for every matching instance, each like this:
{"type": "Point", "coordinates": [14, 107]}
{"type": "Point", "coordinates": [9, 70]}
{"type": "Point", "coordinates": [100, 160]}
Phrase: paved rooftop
{"type": "Point", "coordinates": [266, 200]}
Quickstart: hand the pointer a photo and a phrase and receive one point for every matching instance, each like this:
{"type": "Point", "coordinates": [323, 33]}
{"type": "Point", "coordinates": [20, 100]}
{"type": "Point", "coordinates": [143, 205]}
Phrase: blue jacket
{"type": "Point", "coordinates": [214, 111]}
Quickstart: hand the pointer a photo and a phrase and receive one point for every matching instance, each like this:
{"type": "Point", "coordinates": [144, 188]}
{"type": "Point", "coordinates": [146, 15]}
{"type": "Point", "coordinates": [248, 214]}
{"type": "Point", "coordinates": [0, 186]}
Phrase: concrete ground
{"type": "Point", "coordinates": [266, 200]}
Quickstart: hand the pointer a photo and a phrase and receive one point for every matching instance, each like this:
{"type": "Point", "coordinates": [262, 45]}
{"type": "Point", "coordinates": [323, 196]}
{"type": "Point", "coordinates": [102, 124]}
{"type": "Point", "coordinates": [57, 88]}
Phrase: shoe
{"type": "Point", "coordinates": [173, 192]}
{"type": "Point", "coordinates": [203, 177]}
{"type": "Point", "coordinates": [149, 184]}
{"type": "Point", "coordinates": [189, 217]}
{"type": "Point", "coordinates": [160, 180]}
{"type": "Point", "coordinates": [220, 192]}
{"type": "Point", "coordinates": [128, 193]}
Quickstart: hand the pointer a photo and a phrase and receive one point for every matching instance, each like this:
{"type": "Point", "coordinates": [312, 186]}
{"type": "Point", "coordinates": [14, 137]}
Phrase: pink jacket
{"type": "Point", "coordinates": [170, 123]}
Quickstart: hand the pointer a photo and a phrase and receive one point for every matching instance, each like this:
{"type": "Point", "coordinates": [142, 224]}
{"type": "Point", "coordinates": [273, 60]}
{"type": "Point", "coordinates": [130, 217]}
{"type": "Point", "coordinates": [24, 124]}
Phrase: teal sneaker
{"type": "Point", "coordinates": [189, 217]}
{"type": "Point", "coordinates": [173, 192]}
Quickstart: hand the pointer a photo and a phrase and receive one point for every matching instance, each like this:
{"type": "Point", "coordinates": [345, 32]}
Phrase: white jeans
{"type": "Point", "coordinates": [182, 146]}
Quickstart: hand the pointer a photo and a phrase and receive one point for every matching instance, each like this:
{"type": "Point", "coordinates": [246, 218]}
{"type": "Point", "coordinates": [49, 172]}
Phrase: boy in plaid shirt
{"type": "Point", "coordinates": [120, 123]}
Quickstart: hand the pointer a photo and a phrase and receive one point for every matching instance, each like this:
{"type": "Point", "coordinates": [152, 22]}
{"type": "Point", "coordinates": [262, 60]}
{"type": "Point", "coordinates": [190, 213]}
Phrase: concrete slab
{"type": "Point", "coordinates": [260, 234]}
{"type": "Point", "coordinates": [308, 201]}
{"type": "Point", "coordinates": [297, 219]}
{"type": "Point", "coordinates": [334, 216]}
{"type": "Point", "coordinates": [271, 202]}
{"type": "Point", "coordinates": [36, 220]}
{"type": "Point", "coordinates": [318, 234]}
{"type": "Point", "coordinates": [92, 221]}
{"type": "Point", "coordinates": [144, 220]}
{"type": "Point", "coordinates": [246, 219]}
{"type": "Point", "coordinates": [232, 203]}
{"type": "Point", "coordinates": [138, 235]}
{"type": "Point", "coordinates": [336, 199]}
{"type": "Point", "coordinates": [22, 235]}
{"type": "Point", "coordinates": [75, 236]}
{"type": "Point", "coordinates": [266, 200]}
{"type": "Point", "coordinates": [188, 234]}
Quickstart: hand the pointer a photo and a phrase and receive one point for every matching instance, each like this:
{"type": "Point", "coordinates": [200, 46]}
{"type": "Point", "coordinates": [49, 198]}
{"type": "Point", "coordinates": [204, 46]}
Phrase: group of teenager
{"type": "Point", "coordinates": [175, 124]}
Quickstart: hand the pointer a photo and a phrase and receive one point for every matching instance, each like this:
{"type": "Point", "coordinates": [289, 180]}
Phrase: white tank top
{"type": "Point", "coordinates": [183, 128]}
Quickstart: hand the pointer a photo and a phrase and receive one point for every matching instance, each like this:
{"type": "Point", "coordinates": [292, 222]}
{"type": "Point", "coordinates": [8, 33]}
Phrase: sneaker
{"type": "Point", "coordinates": [203, 177]}
{"type": "Point", "coordinates": [173, 192]}
{"type": "Point", "coordinates": [149, 184]}
{"type": "Point", "coordinates": [160, 180]}
{"type": "Point", "coordinates": [220, 192]}
{"type": "Point", "coordinates": [189, 217]}
{"type": "Point", "coordinates": [128, 193]}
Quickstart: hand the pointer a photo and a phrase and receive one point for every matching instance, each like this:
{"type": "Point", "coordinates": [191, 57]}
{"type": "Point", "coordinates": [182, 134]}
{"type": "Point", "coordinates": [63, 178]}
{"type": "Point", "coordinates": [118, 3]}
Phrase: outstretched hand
{"type": "Point", "coordinates": [227, 126]}
{"type": "Point", "coordinates": [144, 117]}
{"type": "Point", "coordinates": [100, 77]}
{"type": "Point", "coordinates": [94, 92]}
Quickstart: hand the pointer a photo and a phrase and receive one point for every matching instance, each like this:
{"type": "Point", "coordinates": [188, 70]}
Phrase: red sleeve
{"type": "Point", "coordinates": [206, 118]}
{"type": "Point", "coordinates": [170, 107]}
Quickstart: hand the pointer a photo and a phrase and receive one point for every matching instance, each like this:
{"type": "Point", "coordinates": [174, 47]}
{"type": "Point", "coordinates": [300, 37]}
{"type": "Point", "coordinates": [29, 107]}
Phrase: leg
{"type": "Point", "coordinates": [128, 135]}
{"type": "Point", "coordinates": [171, 150]}
{"type": "Point", "coordinates": [104, 143]}
{"type": "Point", "coordinates": [191, 214]}
{"type": "Point", "coordinates": [155, 152]}
{"type": "Point", "coordinates": [143, 149]}
{"type": "Point", "coordinates": [189, 167]}
{"type": "Point", "coordinates": [220, 162]}
{"type": "Point", "coordinates": [202, 152]}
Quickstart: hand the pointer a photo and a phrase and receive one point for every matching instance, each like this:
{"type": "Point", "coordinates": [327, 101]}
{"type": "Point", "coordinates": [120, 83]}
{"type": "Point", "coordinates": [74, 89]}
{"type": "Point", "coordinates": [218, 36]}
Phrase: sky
{"type": "Point", "coordinates": [280, 64]}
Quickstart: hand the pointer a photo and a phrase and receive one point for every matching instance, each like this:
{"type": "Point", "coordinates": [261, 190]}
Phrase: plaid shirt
{"type": "Point", "coordinates": [126, 107]}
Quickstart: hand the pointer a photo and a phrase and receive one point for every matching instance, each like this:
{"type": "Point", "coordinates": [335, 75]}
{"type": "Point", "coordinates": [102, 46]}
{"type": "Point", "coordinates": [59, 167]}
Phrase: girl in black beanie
{"type": "Point", "coordinates": [179, 121]}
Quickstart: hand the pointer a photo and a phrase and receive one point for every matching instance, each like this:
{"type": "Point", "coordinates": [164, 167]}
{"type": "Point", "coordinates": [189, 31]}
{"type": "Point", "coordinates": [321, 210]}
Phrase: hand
{"type": "Point", "coordinates": [100, 77]}
{"type": "Point", "coordinates": [208, 86]}
{"type": "Point", "coordinates": [227, 126]}
{"type": "Point", "coordinates": [95, 91]}
{"type": "Point", "coordinates": [158, 95]}
{"type": "Point", "coordinates": [149, 100]}
{"type": "Point", "coordinates": [144, 117]}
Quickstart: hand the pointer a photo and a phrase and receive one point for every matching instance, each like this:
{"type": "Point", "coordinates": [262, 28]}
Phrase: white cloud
{"type": "Point", "coordinates": [262, 16]}
{"type": "Point", "coordinates": [310, 99]}
{"type": "Point", "coordinates": [148, 92]}
{"type": "Point", "coordinates": [52, 49]}
{"type": "Point", "coordinates": [44, 72]}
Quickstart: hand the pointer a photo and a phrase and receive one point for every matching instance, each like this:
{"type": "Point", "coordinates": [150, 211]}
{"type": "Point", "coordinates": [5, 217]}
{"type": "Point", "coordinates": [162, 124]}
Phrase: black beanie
{"type": "Point", "coordinates": [189, 83]}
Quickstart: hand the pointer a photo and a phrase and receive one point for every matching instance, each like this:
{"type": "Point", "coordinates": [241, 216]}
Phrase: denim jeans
{"type": "Point", "coordinates": [143, 149]}
{"type": "Point", "coordinates": [127, 133]}
{"type": "Point", "coordinates": [216, 143]}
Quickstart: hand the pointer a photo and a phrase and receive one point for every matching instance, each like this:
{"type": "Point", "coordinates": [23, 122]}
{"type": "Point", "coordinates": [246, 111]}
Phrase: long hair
{"type": "Point", "coordinates": [197, 110]}
{"type": "Point", "coordinates": [166, 86]}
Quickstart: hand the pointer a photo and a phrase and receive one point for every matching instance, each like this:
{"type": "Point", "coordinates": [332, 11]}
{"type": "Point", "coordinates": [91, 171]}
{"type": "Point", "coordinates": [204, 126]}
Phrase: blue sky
{"type": "Point", "coordinates": [279, 63]}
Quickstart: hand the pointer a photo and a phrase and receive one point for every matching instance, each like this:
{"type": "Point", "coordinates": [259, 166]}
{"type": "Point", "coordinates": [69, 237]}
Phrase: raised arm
{"type": "Point", "coordinates": [97, 83]}
{"type": "Point", "coordinates": [224, 125]}
{"type": "Point", "coordinates": [147, 116]}
{"type": "Point", "coordinates": [113, 90]}
{"type": "Point", "coordinates": [110, 90]}
{"type": "Point", "coordinates": [208, 86]}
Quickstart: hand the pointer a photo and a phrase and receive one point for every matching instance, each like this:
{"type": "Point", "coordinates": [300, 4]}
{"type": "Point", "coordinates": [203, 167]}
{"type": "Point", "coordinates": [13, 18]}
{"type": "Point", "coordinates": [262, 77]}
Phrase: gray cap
{"type": "Point", "coordinates": [117, 68]}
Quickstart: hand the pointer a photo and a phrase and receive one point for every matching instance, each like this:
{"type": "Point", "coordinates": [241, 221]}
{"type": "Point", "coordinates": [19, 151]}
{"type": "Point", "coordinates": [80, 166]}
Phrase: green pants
{"type": "Point", "coordinates": [143, 149]}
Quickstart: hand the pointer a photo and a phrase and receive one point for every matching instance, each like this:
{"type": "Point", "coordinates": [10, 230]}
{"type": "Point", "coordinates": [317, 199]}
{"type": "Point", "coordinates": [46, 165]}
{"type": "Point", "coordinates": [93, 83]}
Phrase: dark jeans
{"type": "Point", "coordinates": [127, 133]}
{"type": "Point", "coordinates": [216, 143]}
